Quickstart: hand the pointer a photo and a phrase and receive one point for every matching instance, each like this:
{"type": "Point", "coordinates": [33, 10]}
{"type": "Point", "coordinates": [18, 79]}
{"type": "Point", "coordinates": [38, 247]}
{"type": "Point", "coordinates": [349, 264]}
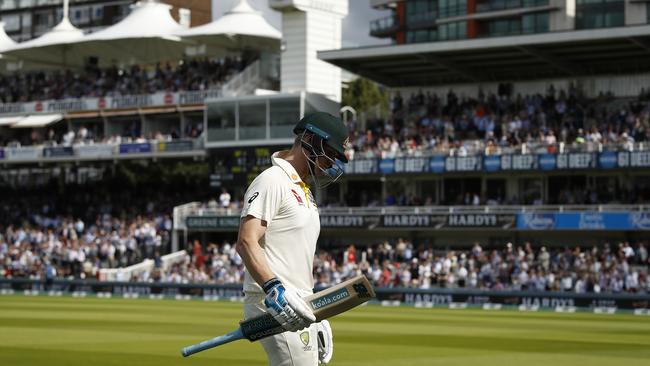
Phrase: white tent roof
{"type": "Point", "coordinates": [148, 19]}
{"type": "Point", "coordinates": [5, 41]}
{"type": "Point", "coordinates": [37, 120]}
{"type": "Point", "coordinates": [242, 20]}
{"type": "Point", "coordinates": [63, 33]}
{"type": "Point", "coordinates": [146, 35]}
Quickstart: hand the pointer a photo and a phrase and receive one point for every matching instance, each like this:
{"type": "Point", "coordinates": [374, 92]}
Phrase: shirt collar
{"type": "Point", "coordinates": [286, 166]}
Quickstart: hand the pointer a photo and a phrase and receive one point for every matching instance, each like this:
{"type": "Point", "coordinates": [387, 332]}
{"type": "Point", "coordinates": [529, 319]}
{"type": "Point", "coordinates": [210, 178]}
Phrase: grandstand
{"type": "Point", "coordinates": [501, 185]}
{"type": "Point", "coordinates": [511, 159]}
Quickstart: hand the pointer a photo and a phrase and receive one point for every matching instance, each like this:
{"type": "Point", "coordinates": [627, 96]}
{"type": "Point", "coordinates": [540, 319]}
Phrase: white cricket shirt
{"type": "Point", "coordinates": [279, 197]}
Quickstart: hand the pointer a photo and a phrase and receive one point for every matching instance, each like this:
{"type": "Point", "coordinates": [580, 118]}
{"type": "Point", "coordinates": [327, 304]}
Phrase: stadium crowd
{"type": "Point", "coordinates": [607, 268]}
{"type": "Point", "coordinates": [187, 75]}
{"type": "Point", "coordinates": [427, 123]}
{"type": "Point", "coordinates": [78, 246]}
{"type": "Point", "coordinates": [75, 230]}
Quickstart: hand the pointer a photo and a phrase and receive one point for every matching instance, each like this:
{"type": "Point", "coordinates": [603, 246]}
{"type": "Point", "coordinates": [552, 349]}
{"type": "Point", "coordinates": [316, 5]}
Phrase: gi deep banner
{"type": "Point", "coordinates": [584, 221]}
{"type": "Point", "coordinates": [501, 163]}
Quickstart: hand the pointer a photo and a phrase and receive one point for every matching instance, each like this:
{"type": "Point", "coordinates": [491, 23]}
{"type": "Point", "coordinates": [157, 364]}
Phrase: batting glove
{"type": "Point", "coordinates": [288, 309]}
{"type": "Point", "coordinates": [325, 342]}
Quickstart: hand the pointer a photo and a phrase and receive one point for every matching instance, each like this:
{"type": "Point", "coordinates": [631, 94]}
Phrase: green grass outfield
{"type": "Point", "coordinates": [70, 331]}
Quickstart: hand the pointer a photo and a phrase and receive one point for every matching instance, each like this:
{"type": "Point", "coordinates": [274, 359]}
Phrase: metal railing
{"type": "Point", "coordinates": [496, 5]}
{"type": "Point", "coordinates": [478, 147]}
{"type": "Point", "coordinates": [240, 83]}
{"type": "Point", "coordinates": [102, 151]}
{"type": "Point", "coordinates": [384, 24]}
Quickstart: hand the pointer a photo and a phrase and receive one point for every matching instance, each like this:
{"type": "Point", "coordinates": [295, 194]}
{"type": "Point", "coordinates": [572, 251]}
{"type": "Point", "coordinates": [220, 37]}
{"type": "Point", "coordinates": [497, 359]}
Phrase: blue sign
{"type": "Point", "coordinates": [536, 221]}
{"type": "Point", "coordinates": [137, 148]}
{"type": "Point", "coordinates": [437, 164]}
{"type": "Point", "coordinates": [492, 163]}
{"type": "Point", "coordinates": [608, 160]}
{"type": "Point", "coordinates": [497, 163]}
{"type": "Point", "coordinates": [589, 220]}
{"type": "Point", "coordinates": [387, 166]}
{"type": "Point", "coordinates": [546, 161]}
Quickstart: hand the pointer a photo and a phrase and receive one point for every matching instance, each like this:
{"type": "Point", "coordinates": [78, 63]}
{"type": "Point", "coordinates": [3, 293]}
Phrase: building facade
{"type": "Point", "coordinates": [27, 19]}
{"type": "Point", "coordinates": [414, 21]}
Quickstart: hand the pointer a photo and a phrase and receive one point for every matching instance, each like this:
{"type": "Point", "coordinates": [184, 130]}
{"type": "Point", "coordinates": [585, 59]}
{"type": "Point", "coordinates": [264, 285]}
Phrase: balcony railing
{"type": "Point", "coordinates": [384, 26]}
{"type": "Point", "coordinates": [496, 5]}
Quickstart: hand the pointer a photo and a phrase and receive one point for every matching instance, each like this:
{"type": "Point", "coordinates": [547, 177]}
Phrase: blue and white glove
{"type": "Point", "coordinates": [286, 306]}
{"type": "Point", "coordinates": [325, 342]}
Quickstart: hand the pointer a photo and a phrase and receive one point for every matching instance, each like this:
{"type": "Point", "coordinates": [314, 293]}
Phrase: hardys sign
{"type": "Point", "coordinates": [371, 222]}
{"type": "Point", "coordinates": [436, 222]}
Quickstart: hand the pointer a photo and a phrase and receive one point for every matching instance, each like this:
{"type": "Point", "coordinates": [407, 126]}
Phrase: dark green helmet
{"type": "Point", "coordinates": [331, 129]}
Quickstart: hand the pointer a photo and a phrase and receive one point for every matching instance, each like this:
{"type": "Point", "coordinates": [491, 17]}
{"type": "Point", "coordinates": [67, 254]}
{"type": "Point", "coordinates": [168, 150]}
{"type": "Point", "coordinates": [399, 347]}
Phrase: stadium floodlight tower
{"type": "Point", "coordinates": [309, 26]}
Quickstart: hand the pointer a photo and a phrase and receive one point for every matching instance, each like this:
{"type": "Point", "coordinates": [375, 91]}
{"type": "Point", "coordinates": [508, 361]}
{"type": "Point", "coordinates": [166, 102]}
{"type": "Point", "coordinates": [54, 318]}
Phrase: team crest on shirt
{"type": "Point", "coordinates": [298, 198]}
{"type": "Point", "coordinates": [304, 338]}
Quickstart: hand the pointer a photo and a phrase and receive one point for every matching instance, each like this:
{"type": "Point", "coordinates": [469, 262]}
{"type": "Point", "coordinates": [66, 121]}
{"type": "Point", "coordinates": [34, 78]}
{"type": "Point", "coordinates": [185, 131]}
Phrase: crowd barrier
{"type": "Point", "coordinates": [452, 298]}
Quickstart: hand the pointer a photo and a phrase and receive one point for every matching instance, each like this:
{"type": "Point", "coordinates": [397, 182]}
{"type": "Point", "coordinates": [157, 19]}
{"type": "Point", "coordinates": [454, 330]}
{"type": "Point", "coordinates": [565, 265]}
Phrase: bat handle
{"type": "Point", "coordinates": [214, 342]}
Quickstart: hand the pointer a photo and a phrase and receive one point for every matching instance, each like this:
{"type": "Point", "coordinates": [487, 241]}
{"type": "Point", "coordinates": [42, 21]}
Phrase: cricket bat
{"type": "Point", "coordinates": [325, 304]}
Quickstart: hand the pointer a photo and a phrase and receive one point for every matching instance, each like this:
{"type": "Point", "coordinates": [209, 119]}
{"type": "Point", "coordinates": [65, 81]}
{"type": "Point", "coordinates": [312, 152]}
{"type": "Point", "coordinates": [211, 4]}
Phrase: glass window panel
{"type": "Point", "coordinates": [284, 115]}
{"type": "Point", "coordinates": [252, 119]}
{"type": "Point", "coordinates": [221, 121]}
{"type": "Point", "coordinates": [12, 22]}
{"type": "Point", "coordinates": [528, 23]}
{"type": "Point", "coordinates": [451, 30]}
{"type": "Point", "coordinates": [542, 23]}
{"type": "Point", "coordinates": [462, 30]}
{"type": "Point", "coordinates": [442, 32]}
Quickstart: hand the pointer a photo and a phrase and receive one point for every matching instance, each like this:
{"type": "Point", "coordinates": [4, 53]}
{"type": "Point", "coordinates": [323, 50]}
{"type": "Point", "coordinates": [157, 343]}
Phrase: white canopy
{"type": "Point", "coordinates": [146, 35]}
{"type": "Point", "coordinates": [37, 120]}
{"type": "Point", "coordinates": [239, 28]}
{"type": "Point", "coordinates": [51, 48]}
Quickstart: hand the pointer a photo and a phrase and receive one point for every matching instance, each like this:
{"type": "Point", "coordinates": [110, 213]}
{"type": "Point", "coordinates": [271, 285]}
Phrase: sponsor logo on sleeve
{"type": "Point", "coordinates": [253, 197]}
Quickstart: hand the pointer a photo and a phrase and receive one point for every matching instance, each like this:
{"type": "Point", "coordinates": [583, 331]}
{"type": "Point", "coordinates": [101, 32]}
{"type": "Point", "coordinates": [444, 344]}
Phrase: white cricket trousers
{"type": "Point", "coordinates": [289, 348]}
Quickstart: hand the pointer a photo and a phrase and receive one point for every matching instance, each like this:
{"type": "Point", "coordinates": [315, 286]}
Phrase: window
{"type": "Point", "coordinates": [452, 8]}
{"type": "Point", "coordinates": [252, 119]}
{"type": "Point", "coordinates": [534, 23]}
{"type": "Point", "coordinates": [451, 31]}
{"type": "Point", "coordinates": [420, 10]}
{"type": "Point", "coordinates": [12, 22]}
{"type": "Point", "coordinates": [8, 4]}
{"type": "Point", "coordinates": [599, 14]}
{"type": "Point", "coordinates": [27, 20]}
{"type": "Point", "coordinates": [221, 121]}
{"type": "Point", "coordinates": [284, 114]}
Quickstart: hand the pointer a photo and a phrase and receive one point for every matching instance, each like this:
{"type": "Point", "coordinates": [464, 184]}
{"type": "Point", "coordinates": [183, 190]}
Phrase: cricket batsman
{"type": "Point", "coordinates": [277, 239]}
